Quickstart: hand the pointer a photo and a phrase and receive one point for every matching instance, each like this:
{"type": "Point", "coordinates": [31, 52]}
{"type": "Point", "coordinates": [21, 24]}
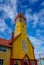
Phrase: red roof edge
{"type": "Point", "coordinates": [4, 42]}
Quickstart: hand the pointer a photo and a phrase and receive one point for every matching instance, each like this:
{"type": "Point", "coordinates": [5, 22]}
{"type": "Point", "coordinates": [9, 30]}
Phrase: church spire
{"type": "Point", "coordinates": [20, 24]}
{"type": "Point", "coordinates": [20, 15]}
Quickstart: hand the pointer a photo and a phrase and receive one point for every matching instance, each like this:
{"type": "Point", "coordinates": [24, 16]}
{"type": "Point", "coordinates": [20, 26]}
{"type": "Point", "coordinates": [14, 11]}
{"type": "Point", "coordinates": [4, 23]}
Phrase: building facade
{"type": "Point", "coordinates": [23, 50]}
{"type": "Point", "coordinates": [5, 52]}
{"type": "Point", "coordinates": [20, 49]}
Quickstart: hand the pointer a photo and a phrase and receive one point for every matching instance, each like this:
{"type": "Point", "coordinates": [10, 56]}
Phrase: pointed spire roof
{"type": "Point", "coordinates": [20, 15]}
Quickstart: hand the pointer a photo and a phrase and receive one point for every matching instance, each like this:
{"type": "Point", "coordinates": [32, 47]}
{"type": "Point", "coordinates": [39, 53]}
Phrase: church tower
{"type": "Point", "coordinates": [20, 25]}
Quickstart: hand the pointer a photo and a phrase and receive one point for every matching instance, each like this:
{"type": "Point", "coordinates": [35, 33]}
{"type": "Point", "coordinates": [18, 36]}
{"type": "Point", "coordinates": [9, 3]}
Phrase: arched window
{"type": "Point", "coordinates": [24, 45]}
{"type": "Point", "coordinates": [18, 20]}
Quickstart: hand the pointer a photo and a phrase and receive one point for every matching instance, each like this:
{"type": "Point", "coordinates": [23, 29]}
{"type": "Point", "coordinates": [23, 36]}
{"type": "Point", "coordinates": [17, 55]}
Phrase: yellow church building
{"type": "Point", "coordinates": [20, 49]}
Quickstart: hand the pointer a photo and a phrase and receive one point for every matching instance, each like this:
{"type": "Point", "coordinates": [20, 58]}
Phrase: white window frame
{"type": "Point", "coordinates": [4, 49]}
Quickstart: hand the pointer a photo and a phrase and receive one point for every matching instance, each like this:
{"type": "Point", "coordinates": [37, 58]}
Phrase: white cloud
{"type": "Point", "coordinates": [41, 18]}
{"type": "Point", "coordinates": [10, 10]}
{"type": "Point", "coordinates": [33, 1]}
{"type": "Point", "coordinates": [36, 54]}
{"type": "Point", "coordinates": [31, 17]}
{"type": "Point", "coordinates": [39, 53]}
{"type": "Point", "coordinates": [1, 0]}
{"type": "Point", "coordinates": [43, 49]}
{"type": "Point", "coordinates": [14, 4]}
{"type": "Point", "coordinates": [37, 18]}
{"type": "Point", "coordinates": [1, 7]}
{"type": "Point", "coordinates": [41, 12]}
{"type": "Point", "coordinates": [9, 29]}
{"type": "Point", "coordinates": [42, 38]}
{"type": "Point", "coordinates": [41, 24]}
{"type": "Point", "coordinates": [28, 15]}
{"type": "Point", "coordinates": [35, 41]}
{"type": "Point", "coordinates": [2, 25]}
{"type": "Point", "coordinates": [42, 4]}
{"type": "Point", "coordinates": [38, 31]}
{"type": "Point", "coordinates": [37, 45]}
{"type": "Point", "coordinates": [39, 34]}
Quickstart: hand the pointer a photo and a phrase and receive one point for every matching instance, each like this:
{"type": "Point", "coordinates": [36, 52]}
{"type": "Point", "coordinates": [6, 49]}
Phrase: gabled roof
{"type": "Point", "coordinates": [26, 56]}
{"type": "Point", "coordinates": [4, 42]}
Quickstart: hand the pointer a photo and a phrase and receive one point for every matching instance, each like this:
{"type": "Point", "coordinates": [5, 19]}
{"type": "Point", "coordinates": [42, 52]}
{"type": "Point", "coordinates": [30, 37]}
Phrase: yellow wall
{"type": "Point", "coordinates": [17, 49]}
{"type": "Point", "coordinates": [18, 52]}
{"type": "Point", "coordinates": [5, 56]}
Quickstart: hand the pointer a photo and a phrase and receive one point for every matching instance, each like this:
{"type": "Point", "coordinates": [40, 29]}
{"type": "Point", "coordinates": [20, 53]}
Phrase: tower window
{"type": "Point", "coordinates": [23, 20]}
{"type": "Point", "coordinates": [22, 25]}
{"type": "Point", "coordinates": [17, 20]}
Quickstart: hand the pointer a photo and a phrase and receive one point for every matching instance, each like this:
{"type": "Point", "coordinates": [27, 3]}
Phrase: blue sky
{"type": "Point", "coordinates": [33, 10]}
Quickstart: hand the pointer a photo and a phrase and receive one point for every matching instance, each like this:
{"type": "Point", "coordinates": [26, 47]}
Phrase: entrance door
{"type": "Point", "coordinates": [16, 63]}
{"type": "Point", "coordinates": [26, 62]}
